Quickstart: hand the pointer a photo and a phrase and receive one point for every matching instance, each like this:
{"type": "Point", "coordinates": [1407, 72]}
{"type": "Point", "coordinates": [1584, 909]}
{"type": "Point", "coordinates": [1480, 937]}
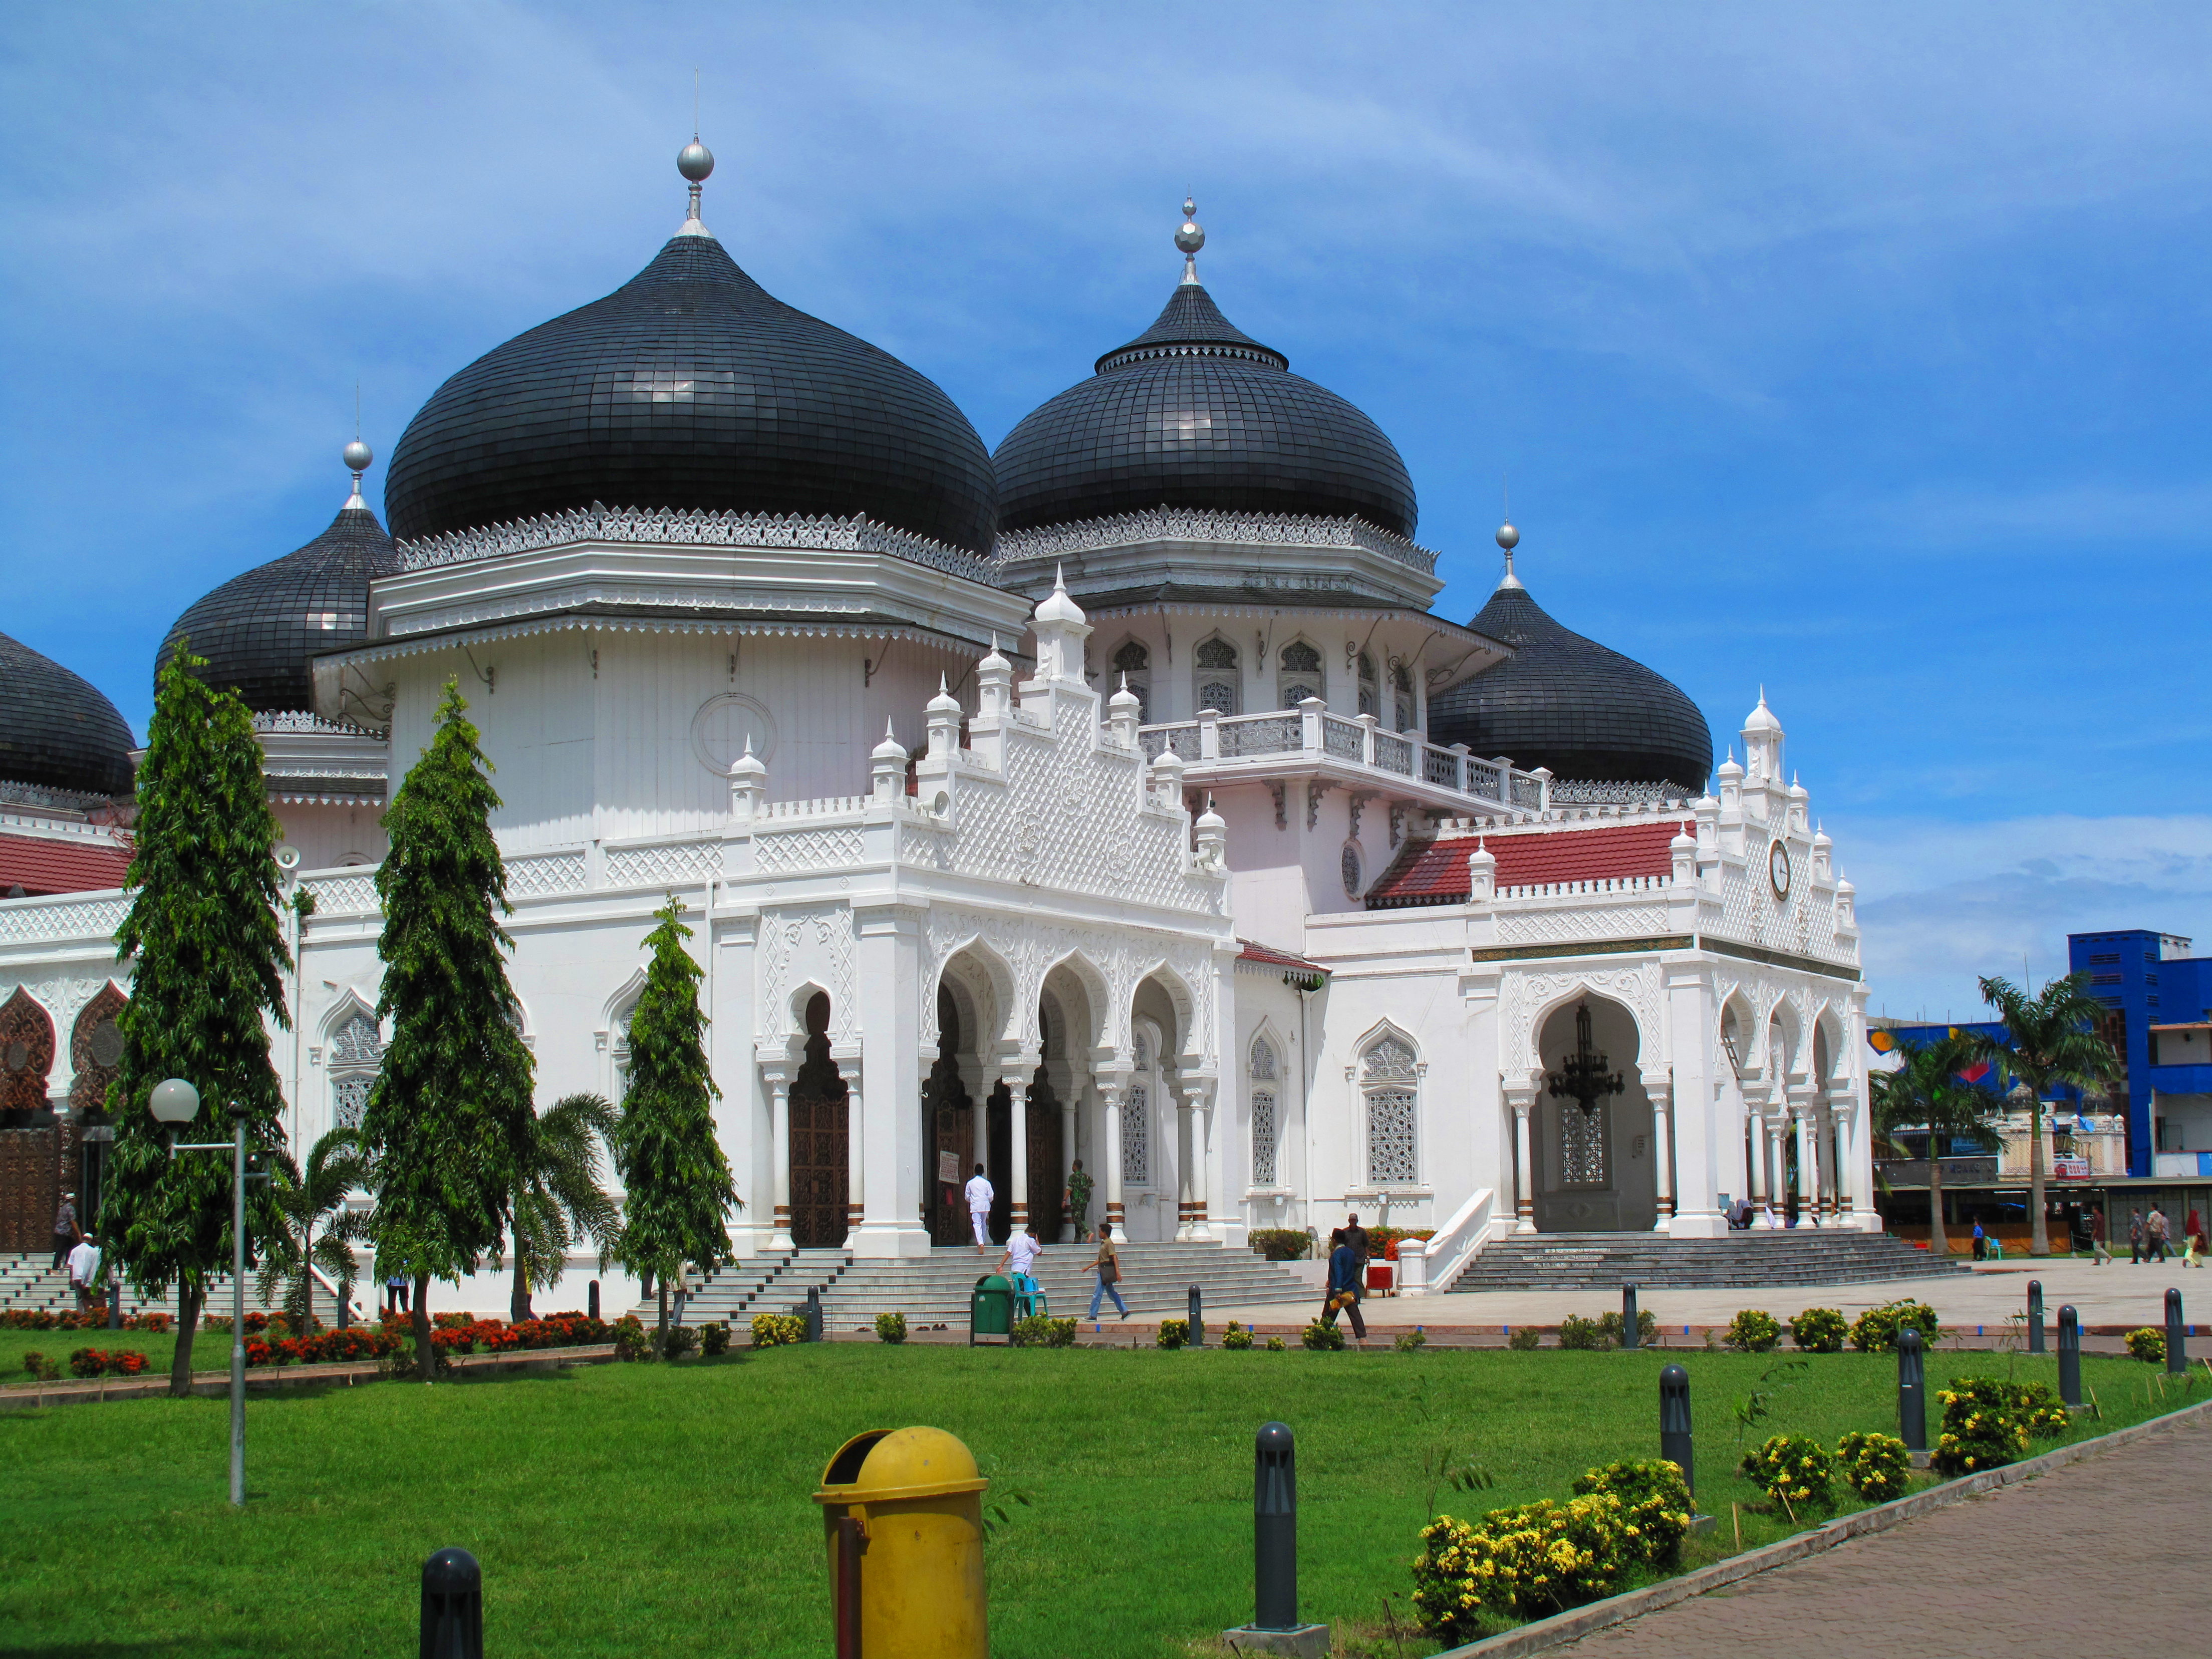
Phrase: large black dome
{"type": "Point", "coordinates": [57, 732]}
{"type": "Point", "coordinates": [260, 631]}
{"type": "Point", "coordinates": [692, 387]}
{"type": "Point", "coordinates": [1193, 413]}
{"type": "Point", "coordinates": [1567, 702]}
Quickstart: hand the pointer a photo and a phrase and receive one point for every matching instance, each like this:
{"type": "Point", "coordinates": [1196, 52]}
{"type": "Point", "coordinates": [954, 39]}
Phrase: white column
{"type": "Point", "coordinates": [1755, 1155]}
{"type": "Point", "coordinates": [1069, 1117]}
{"type": "Point", "coordinates": [1201, 1153]}
{"type": "Point", "coordinates": [1111, 1091]}
{"type": "Point", "coordinates": [1662, 1147]}
{"type": "Point", "coordinates": [1777, 1125]}
{"type": "Point", "coordinates": [1845, 1120]}
{"type": "Point", "coordinates": [856, 1157]}
{"type": "Point", "coordinates": [1184, 1161]}
{"type": "Point", "coordinates": [1808, 1168]}
{"type": "Point", "coordinates": [778, 1080]}
{"type": "Point", "coordinates": [1524, 1191]}
{"type": "Point", "coordinates": [1018, 1125]}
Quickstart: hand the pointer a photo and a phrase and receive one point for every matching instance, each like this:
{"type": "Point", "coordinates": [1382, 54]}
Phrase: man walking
{"type": "Point", "coordinates": [981, 1195]}
{"type": "Point", "coordinates": [2134, 1237]}
{"type": "Point", "coordinates": [84, 1271]}
{"type": "Point", "coordinates": [2154, 1231]}
{"type": "Point", "coordinates": [67, 1234]}
{"type": "Point", "coordinates": [2097, 1237]}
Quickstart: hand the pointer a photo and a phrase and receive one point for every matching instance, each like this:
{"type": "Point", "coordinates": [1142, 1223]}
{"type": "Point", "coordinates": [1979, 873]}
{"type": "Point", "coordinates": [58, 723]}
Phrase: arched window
{"type": "Point", "coordinates": [1402, 685]}
{"type": "Point", "coordinates": [1368, 703]}
{"type": "Point", "coordinates": [1390, 1080]}
{"type": "Point", "coordinates": [356, 1054]}
{"type": "Point", "coordinates": [1216, 685]}
{"type": "Point", "coordinates": [1302, 674]}
{"type": "Point", "coordinates": [1133, 665]}
{"type": "Point", "coordinates": [1265, 1126]}
{"type": "Point", "coordinates": [1137, 1118]}
{"type": "Point", "coordinates": [618, 1046]}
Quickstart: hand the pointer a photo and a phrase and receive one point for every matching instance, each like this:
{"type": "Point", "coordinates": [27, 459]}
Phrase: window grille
{"type": "Point", "coordinates": [356, 1054]}
{"type": "Point", "coordinates": [1263, 1061]}
{"type": "Point", "coordinates": [1263, 1137]}
{"type": "Point", "coordinates": [1390, 1151]}
{"type": "Point", "coordinates": [1137, 1138]}
{"type": "Point", "coordinates": [1582, 1144]}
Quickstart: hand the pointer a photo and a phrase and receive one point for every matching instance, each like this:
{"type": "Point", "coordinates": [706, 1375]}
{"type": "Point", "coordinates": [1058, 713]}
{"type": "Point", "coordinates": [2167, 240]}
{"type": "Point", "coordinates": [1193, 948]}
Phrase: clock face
{"type": "Point", "coordinates": [1778, 869]}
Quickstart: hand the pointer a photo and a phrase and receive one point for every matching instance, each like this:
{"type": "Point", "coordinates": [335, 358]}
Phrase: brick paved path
{"type": "Point", "coordinates": [2111, 1556]}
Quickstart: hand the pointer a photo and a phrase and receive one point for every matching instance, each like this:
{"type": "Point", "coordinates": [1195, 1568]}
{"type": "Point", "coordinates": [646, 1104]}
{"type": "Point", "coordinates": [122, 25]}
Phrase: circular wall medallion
{"type": "Point", "coordinates": [1778, 869]}
{"type": "Point", "coordinates": [19, 1056]}
{"type": "Point", "coordinates": [106, 1042]}
{"type": "Point", "coordinates": [724, 725]}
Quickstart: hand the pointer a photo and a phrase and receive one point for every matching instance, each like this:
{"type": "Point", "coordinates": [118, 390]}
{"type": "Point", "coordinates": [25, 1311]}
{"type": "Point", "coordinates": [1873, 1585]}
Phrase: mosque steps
{"type": "Point", "coordinates": [26, 1281]}
{"type": "Point", "coordinates": [1606, 1262]}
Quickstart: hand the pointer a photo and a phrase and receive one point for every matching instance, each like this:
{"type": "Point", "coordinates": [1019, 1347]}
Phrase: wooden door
{"type": "Point", "coordinates": [820, 1150]}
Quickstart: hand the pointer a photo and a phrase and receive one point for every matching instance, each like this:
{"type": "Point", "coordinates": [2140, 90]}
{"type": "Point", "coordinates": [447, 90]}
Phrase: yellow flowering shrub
{"type": "Point", "coordinates": [773, 1330]}
{"type": "Point", "coordinates": [1876, 1467]}
{"type": "Point", "coordinates": [1655, 1500]}
{"type": "Point", "coordinates": [1529, 1561]}
{"type": "Point", "coordinates": [1793, 1468]}
{"type": "Point", "coordinates": [1987, 1422]}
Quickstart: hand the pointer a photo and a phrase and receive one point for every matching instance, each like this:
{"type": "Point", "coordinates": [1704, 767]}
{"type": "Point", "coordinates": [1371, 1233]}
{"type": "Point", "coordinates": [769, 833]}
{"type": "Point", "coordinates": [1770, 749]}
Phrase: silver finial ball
{"type": "Point", "coordinates": [1508, 536]}
{"type": "Point", "coordinates": [695, 162]}
{"type": "Point", "coordinates": [1190, 238]}
{"type": "Point", "coordinates": [358, 455]}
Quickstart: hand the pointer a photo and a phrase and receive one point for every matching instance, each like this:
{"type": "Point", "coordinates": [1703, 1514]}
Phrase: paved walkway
{"type": "Point", "coordinates": [2108, 1556]}
{"type": "Point", "coordinates": [2120, 1294]}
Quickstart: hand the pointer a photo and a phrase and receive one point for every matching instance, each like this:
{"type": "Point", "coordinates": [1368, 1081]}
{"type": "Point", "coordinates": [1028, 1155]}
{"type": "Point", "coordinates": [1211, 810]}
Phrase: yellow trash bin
{"type": "Point", "coordinates": [903, 1521]}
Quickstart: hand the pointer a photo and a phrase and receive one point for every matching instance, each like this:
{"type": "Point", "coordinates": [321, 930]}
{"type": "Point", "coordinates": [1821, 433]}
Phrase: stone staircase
{"type": "Point", "coordinates": [26, 1281]}
{"type": "Point", "coordinates": [934, 1289]}
{"type": "Point", "coordinates": [1747, 1260]}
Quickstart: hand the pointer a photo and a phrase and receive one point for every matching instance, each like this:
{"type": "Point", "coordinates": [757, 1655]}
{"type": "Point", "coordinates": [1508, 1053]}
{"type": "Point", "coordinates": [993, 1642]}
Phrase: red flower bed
{"type": "Point", "coordinates": [561, 1330]}
{"type": "Point", "coordinates": [91, 1362]}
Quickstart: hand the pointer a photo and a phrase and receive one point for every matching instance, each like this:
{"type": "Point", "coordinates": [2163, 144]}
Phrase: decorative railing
{"type": "Point", "coordinates": [1312, 734]}
{"type": "Point", "coordinates": [1590, 792]}
{"type": "Point", "coordinates": [690, 527]}
{"type": "Point", "coordinates": [41, 921]}
{"type": "Point", "coordinates": [1544, 889]}
{"type": "Point", "coordinates": [1427, 1264]}
{"type": "Point", "coordinates": [1195, 524]}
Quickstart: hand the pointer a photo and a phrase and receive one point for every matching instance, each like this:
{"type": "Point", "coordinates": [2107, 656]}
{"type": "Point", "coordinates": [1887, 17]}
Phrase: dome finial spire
{"type": "Point", "coordinates": [1509, 539]}
{"type": "Point", "coordinates": [357, 456]}
{"type": "Point", "coordinates": [1190, 238]}
{"type": "Point", "coordinates": [695, 162]}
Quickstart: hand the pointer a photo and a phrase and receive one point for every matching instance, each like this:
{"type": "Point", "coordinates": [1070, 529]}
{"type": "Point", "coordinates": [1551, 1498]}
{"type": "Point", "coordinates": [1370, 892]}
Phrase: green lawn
{"type": "Point", "coordinates": [619, 1508]}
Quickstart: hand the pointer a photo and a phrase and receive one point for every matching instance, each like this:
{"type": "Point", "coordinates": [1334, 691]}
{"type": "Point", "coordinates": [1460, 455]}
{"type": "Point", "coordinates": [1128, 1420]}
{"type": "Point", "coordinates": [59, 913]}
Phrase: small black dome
{"type": "Point", "coordinates": [1193, 413]}
{"type": "Point", "coordinates": [258, 631]}
{"type": "Point", "coordinates": [1567, 702]}
{"type": "Point", "coordinates": [692, 387]}
{"type": "Point", "coordinates": [57, 732]}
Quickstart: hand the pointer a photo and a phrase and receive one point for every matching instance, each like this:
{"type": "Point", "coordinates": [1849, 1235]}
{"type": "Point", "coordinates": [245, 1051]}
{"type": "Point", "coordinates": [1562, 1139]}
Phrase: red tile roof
{"type": "Point", "coordinates": [1435, 871]}
{"type": "Point", "coordinates": [1267, 957]}
{"type": "Point", "coordinates": [39, 865]}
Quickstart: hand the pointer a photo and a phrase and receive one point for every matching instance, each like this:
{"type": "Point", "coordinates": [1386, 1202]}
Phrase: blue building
{"type": "Point", "coordinates": [2162, 1026]}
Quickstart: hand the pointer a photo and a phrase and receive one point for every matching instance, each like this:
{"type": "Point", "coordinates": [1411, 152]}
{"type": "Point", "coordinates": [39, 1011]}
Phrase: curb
{"type": "Point", "coordinates": [1618, 1609]}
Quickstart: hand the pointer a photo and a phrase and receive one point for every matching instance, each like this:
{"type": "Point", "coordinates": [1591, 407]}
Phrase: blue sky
{"type": "Point", "coordinates": [1859, 354]}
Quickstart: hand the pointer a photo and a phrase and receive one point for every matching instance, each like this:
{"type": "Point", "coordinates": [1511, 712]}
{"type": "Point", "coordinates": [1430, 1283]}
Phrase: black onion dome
{"type": "Point", "coordinates": [1567, 702]}
{"type": "Point", "coordinates": [692, 387]}
{"type": "Point", "coordinates": [1195, 413]}
{"type": "Point", "coordinates": [260, 631]}
{"type": "Point", "coordinates": [58, 731]}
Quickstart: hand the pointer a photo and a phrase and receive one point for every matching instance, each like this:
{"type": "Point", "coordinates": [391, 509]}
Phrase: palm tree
{"type": "Point", "coordinates": [316, 1227]}
{"type": "Point", "coordinates": [558, 1198]}
{"type": "Point", "coordinates": [1927, 1091]}
{"type": "Point", "coordinates": [2049, 1039]}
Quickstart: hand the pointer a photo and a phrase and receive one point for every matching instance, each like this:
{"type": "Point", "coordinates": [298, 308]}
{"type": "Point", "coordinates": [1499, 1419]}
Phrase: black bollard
{"type": "Point", "coordinates": [1912, 1391]}
{"type": "Point", "coordinates": [452, 1606]}
{"type": "Point", "coordinates": [1628, 1316]}
{"type": "Point", "coordinates": [1275, 1529]}
{"type": "Point", "coordinates": [591, 1299]}
{"type": "Point", "coordinates": [345, 1306]}
{"type": "Point", "coordinates": [1674, 1425]}
{"type": "Point", "coordinates": [115, 1305]}
{"type": "Point", "coordinates": [2177, 1344]}
{"type": "Point", "coordinates": [2035, 1316]}
{"type": "Point", "coordinates": [1197, 1319]}
{"type": "Point", "coordinates": [2070, 1355]}
{"type": "Point", "coordinates": [813, 1313]}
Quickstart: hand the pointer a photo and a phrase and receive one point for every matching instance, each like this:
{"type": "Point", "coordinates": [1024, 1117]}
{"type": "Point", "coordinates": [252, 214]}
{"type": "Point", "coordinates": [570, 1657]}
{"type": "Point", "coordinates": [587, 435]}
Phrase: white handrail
{"type": "Point", "coordinates": [1448, 1250]}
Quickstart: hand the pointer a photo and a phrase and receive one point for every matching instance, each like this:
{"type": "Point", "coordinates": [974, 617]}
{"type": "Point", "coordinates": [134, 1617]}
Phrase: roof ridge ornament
{"type": "Point", "coordinates": [696, 162]}
{"type": "Point", "coordinates": [1190, 237]}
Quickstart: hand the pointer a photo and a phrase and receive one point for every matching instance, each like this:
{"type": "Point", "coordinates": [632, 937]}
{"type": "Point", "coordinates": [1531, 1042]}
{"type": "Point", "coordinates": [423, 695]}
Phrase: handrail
{"type": "Point", "coordinates": [1431, 1264]}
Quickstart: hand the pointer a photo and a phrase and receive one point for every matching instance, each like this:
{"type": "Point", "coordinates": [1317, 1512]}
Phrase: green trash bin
{"type": "Point", "coordinates": [991, 1308]}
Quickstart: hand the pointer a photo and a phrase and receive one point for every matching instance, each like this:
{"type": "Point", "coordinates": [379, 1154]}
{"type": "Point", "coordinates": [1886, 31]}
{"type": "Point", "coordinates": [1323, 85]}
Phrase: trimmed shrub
{"type": "Point", "coordinates": [1523, 1338]}
{"type": "Point", "coordinates": [86, 1362]}
{"type": "Point", "coordinates": [714, 1339]}
{"type": "Point", "coordinates": [1793, 1470]}
{"type": "Point", "coordinates": [1407, 1341]}
{"type": "Point", "coordinates": [1819, 1330]}
{"type": "Point", "coordinates": [1610, 1325]}
{"type": "Point", "coordinates": [1985, 1425]}
{"type": "Point", "coordinates": [1323, 1338]}
{"type": "Point", "coordinates": [2147, 1344]}
{"type": "Point", "coordinates": [679, 1340]}
{"type": "Point", "coordinates": [41, 1367]}
{"type": "Point", "coordinates": [1875, 1466]}
{"type": "Point", "coordinates": [774, 1330]}
{"type": "Point", "coordinates": [1527, 1561]}
{"type": "Point", "coordinates": [1174, 1333]}
{"type": "Point", "coordinates": [1876, 1330]}
{"type": "Point", "coordinates": [1655, 1500]}
{"type": "Point", "coordinates": [631, 1342]}
{"type": "Point", "coordinates": [1276, 1345]}
{"type": "Point", "coordinates": [1753, 1330]}
{"type": "Point", "coordinates": [1281, 1243]}
{"type": "Point", "coordinates": [1575, 1332]}
{"type": "Point", "coordinates": [1235, 1336]}
{"type": "Point", "coordinates": [1040, 1331]}
{"type": "Point", "coordinates": [890, 1327]}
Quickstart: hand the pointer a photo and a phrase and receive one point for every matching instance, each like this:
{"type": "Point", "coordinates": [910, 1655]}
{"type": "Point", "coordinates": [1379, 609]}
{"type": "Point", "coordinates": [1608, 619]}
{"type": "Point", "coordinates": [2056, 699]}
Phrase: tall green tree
{"type": "Point", "coordinates": [208, 963]}
{"type": "Point", "coordinates": [1928, 1091]}
{"type": "Point", "coordinates": [449, 1114]}
{"type": "Point", "coordinates": [558, 1198]}
{"type": "Point", "coordinates": [2050, 1038]}
{"type": "Point", "coordinates": [679, 1192]}
{"type": "Point", "coordinates": [315, 1226]}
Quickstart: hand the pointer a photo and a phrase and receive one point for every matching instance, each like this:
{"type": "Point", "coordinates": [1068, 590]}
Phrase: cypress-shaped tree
{"type": "Point", "coordinates": [207, 961]}
{"type": "Point", "coordinates": [450, 1109]}
{"type": "Point", "coordinates": [680, 1196]}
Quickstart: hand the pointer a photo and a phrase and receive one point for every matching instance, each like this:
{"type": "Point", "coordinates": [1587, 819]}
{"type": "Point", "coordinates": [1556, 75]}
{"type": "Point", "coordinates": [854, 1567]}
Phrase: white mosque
{"type": "Point", "coordinates": [1115, 797]}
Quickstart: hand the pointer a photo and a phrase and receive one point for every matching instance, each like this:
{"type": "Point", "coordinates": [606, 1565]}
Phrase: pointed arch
{"type": "Point", "coordinates": [992, 990]}
{"type": "Point", "coordinates": [1301, 672]}
{"type": "Point", "coordinates": [96, 1049]}
{"type": "Point", "coordinates": [1217, 675]}
{"type": "Point", "coordinates": [27, 1053]}
{"type": "Point", "coordinates": [1095, 1014]}
{"type": "Point", "coordinates": [1648, 1042]}
{"type": "Point", "coordinates": [1388, 1071]}
{"type": "Point", "coordinates": [1267, 1068]}
{"type": "Point", "coordinates": [1182, 998]}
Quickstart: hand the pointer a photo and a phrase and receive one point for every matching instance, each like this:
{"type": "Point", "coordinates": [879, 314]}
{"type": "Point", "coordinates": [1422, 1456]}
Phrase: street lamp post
{"type": "Point", "coordinates": [176, 1102]}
